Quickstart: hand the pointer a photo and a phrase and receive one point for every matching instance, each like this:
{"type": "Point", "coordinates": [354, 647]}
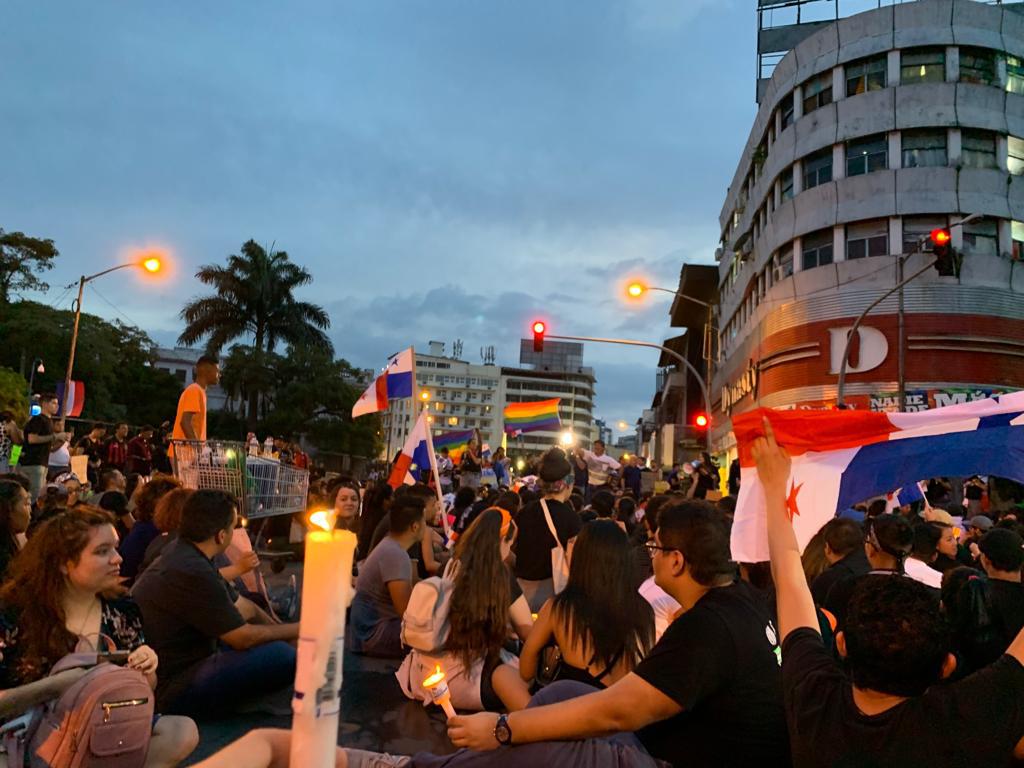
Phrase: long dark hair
{"type": "Point", "coordinates": [599, 604]}
{"type": "Point", "coordinates": [35, 588]}
{"type": "Point", "coordinates": [480, 599]}
{"type": "Point", "coordinates": [371, 512]}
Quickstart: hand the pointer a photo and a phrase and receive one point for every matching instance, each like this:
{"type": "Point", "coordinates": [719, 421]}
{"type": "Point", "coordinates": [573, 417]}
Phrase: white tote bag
{"type": "Point", "coordinates": [559, 558]}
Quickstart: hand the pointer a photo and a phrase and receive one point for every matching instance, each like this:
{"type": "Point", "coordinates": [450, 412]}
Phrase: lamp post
{"type": "Point", "coordinates": [37, 367]}
{"type": "Point", "coordinates": [151, 264]}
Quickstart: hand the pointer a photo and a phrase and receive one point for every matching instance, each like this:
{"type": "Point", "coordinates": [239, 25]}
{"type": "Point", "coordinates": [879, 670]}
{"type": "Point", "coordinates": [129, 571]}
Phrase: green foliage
{"type": "Point", "coordinates": [21, 259]}
{"type": "Point", "coordinates": [112, 359]}
{"type": "Point", "coordinates": [14, 394]}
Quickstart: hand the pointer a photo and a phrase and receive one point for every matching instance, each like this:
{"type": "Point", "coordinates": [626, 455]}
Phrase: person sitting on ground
{"type": "Point", "coordinates": [15, 515]}
{"type": "Point", "coordinates": [975, 638]}
{"type": "Point", "coordinates": [485, 601]}
{"type": "Point", "coordinates": [895, 644]}
{"type": "Point", "coordinates": [385, 583]}
{"type": "Point", "coordinates": [925, 549]}
{"type": "Point", "coordinates": [167, 519]}
{"type": "Point", "coordinates": [346, 505]}
{"type": "Point", "coordinates": [375, 505]}
{"type": "Point", "coordinates": [844, 550]}
{"type": "Point", "coordinates": [533, 549]}
{"type": "Point", "coordinates": [219, 651]}
{"type": "Point", "coordinates": [602, 506]}
{"type": "Point", "coordinates": [113, 481]}
{"type": "Point", "coordinates": [465, 498]}
{"type": "Point", "coordinates": [429, 553]}
{"type": "Point", "coordinates": [54, 603]}
{"type": "Point", "coordinates": [1002, 556]}
{"type": "Point", "coordinates": [601, 626]}
{"type": "Point", "coordinates": [142, 534]}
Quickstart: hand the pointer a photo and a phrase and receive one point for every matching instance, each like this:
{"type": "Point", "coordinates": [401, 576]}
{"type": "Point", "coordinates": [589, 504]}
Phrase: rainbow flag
{"type": "Point", "coordinates": [531, 417]}
{"type": "Point", "coordinates": [455, 442]}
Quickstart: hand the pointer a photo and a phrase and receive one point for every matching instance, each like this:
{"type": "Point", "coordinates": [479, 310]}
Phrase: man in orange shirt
{"type": "Point", "coordinates": [190, 423]}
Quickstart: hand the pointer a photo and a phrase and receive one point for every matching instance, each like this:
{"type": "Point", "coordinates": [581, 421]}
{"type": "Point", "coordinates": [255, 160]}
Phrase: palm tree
{"type": "Point", "coordinates": [253, 300]}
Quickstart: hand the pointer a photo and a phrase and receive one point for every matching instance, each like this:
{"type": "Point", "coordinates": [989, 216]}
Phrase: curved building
{"type": "Point", "coordinates": [872, 131]}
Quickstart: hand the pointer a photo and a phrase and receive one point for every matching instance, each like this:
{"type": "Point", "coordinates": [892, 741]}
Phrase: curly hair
{"type": "Point", "coordinates": [145, 502]}
{"type": "Point", "coordinates": [35, 587]}
{"type": "Point", "coordinates": [480, 599]}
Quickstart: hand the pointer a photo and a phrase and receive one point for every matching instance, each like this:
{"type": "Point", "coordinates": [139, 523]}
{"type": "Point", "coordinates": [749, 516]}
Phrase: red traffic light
{"type": "Point", "coordinates": [538, 335]}
{"type": "Point", "coordinates": [539, 327]}
{"type": "Point", "coordinates": [701, 420]}
{"type": "Point", "coordinates": [940, 237]}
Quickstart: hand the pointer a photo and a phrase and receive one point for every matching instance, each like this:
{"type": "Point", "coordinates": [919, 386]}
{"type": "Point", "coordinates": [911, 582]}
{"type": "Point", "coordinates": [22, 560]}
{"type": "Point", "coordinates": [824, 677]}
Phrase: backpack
{"type": "Point", "coordinates": [425, 622]}
{"type": "Point", "coordinates": [104, 719]}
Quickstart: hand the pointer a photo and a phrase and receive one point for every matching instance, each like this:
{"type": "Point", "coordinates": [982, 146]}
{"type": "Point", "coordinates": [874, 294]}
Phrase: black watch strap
{"type": "Point", "coordinates": [502, 731]}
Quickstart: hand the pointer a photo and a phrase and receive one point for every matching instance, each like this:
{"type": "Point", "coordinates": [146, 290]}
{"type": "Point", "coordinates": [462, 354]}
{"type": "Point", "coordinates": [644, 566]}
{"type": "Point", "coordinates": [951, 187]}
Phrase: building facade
{"type": "Point", "coordinates": [872, 131]}
{"type": "Point", "coordinates": [180, 362]}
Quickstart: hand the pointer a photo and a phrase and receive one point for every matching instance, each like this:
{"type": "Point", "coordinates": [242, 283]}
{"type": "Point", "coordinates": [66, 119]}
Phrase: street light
{"type": "Point", "coordinates": [425, 396]}
{"type": "Point", "coordinates": [567, 438]}
{"type": "Point", "coordinates": [37, 367]}
{"type": "Point", "coordinates": [623, 426]}
{"type": "Point", "coordinates": [150, 263]}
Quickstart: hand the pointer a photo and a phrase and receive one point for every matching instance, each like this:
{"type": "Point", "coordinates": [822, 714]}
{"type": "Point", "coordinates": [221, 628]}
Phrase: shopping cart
{"type": "Point", "coordinates": [263, 486]}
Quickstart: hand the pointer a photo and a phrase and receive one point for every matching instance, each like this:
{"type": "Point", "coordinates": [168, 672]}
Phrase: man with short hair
{"type": "Point", "coordinates": [385, 583]}
{"type": "Point", "coordinates": [885, 704]}
{"type": "Point", "coordinates": [918, 565]}
{"type": "Point", "coordinates": [598, 465]}
{"type": "Point", "coordinates": [140, 452]}
{"type": "Point", "coordinates": [1002, 555]}
{"type": "Point", "coordinates": [40, 437]}
{"type": "Point", "coordinates": [117, 449]}
{"type": "Point", "coordinates": [215, 654]}
{"type": "Point", "coordinates": [631, 475]}
{"type": "Point", "coordinates": [91, 446]}
{"type": "Point", "coordinates": [190, 421]}
{"type": "Point", "coordinates": [844, 550]}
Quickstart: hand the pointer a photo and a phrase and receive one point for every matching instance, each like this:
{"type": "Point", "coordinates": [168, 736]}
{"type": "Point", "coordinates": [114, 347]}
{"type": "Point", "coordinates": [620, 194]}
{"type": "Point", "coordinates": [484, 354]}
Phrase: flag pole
{"type": "Point", "coordinates": [437, 483]}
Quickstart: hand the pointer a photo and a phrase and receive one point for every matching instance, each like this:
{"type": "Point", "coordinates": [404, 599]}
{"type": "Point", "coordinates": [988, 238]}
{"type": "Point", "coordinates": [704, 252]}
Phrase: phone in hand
{"type": "Point", "coordinates": [114, 657]}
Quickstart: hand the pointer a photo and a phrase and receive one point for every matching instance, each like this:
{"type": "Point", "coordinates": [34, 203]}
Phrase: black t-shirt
{"type": "Point", "coordinates": [534, 545]}
{"type": "Point", "coordinates": [974, 722]}
{"type": "Point", "coordinates": [1008, 606]}
{"type": "Point", "coordinates": [719, 662]}
{"type": "Point", "coordinates": [186, 606]}
{"type": "Point", "coordinates": [36, 454]}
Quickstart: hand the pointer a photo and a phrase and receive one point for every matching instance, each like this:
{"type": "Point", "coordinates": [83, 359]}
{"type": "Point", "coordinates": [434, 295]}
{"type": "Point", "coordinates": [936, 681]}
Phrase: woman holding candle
{"type": "Point", "coordinates": [485, 600]}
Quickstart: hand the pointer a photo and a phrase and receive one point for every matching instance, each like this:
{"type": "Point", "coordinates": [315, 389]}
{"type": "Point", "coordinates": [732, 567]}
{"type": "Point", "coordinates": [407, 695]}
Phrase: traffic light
{"type": "Point", "coordinates": [700, 424]}
{"type": "Point", "coordinates": [538, 335]}
{"type": "Point", "coordinates": [946, 259]}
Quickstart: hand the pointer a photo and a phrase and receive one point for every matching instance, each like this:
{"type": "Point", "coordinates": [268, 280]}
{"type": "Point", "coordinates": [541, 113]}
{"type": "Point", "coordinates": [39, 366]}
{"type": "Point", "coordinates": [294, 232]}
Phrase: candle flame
{"type": "Point", "coordinates": [434, 679]}
{"type": "Point", "coordinates": [321, 519]}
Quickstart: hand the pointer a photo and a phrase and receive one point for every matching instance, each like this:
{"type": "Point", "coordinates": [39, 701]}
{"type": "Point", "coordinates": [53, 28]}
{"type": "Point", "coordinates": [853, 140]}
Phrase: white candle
{"type": "Point", "coordinates": [326, 592]}
{"type": "Point", "coordinates": [438, 688]}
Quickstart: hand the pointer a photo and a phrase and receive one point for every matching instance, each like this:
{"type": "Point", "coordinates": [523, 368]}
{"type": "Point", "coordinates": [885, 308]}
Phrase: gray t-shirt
{"type": "Point", "coordinates": [372, 604]}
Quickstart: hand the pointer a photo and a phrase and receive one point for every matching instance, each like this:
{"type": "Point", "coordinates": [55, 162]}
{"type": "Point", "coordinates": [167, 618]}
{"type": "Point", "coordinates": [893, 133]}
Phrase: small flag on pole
{"type": "Point", "coordinates": [76, 400]}
{"type": "Point", "coordinates": [532, 417]}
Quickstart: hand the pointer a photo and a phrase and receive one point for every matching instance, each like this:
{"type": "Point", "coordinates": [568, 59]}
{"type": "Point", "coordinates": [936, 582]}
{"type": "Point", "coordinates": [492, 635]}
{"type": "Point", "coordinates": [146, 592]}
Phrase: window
{"type": "Point", "coordinates": [786, 110]}
{"type": "Point", "coordinates": [865, 75]}
{"type": "Point", "coordinates": [180, 374]}
{"type": "Point", "coordinates": [867, 238]}
{"type": "Point", "coordinates": [1014, 74]}
{"type": "Point", "coordinates": [923, 149]}
{"type": "Point", "coordinates": [916, 230]}
{"type": "Point", "coordinates": [818, 92]}
{"type": "Point", "coordinates": [786, 183]}
{"type": "Point", "coordinates": [977, 65]}
{"type": "Point", "coordinates": [818, 168]}
{"type": "Point", "coordinates": [1015, 157]}
{"type": "Point", "coordinates": [784, 263]}
{"type": "Point", "coordinates": [980, 238]}
{"type": "Point", "coordinates": [923, 65]}
{"type": "Point", "coordinates": [1017, 233]}
{"type": "Point", "coordinates": [817, 248]}
{"type": "Point", "coordinates": [978, 149]}
{"type": "Point", "coordinates": [867, 155]}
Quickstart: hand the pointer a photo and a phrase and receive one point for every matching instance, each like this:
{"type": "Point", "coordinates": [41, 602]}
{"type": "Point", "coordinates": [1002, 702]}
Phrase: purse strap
{"type": "Point", "coordinates": [551, 525]}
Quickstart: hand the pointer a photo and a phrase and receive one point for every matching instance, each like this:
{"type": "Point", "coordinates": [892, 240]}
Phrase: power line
{"type": "Point", "coordinates": [113, 306]}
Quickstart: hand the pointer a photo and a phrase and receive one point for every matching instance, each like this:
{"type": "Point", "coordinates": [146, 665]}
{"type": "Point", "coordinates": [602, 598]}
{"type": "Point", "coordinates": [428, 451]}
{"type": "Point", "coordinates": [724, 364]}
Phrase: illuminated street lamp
{"type": "Point", "coordinates": [425, 396]}
{"type": "Point", "coordinates": [567, 438]}
{"type": "Point", "coordinates": [623, 426]}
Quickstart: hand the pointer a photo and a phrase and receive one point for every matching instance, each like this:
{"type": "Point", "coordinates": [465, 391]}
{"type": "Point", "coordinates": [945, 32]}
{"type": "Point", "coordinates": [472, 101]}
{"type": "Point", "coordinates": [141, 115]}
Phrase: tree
{"type": "Point", "coordinates": [13, 395]}
{"type": "Point", "coordinates": [21, 258]}
{"type": "Point", "coordinates": [254, 299]}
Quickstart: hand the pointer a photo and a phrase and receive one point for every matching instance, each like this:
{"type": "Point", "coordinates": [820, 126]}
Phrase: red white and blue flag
{"type": "Point", "coordinates": [374, 399]}
{"type": "Point", "coordinates": [844, 457]}
{"type": "Point", "coordinates": [76, 399]}
{"type": "Point", "coordinates": [394, 382]}
{"type": "Point", "coordinates": [416, 455]}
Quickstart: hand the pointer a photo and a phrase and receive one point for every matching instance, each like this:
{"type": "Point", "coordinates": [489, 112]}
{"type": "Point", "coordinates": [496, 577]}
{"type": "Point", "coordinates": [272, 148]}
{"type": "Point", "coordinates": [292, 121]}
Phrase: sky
{"type": "Point", "coordinates": [445, 169]}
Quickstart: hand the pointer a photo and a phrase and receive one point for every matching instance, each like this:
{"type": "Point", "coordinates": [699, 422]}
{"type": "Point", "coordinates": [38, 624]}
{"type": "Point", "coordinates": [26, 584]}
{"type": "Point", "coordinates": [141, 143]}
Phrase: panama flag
{"type": "Point", "coordinates": [417, 455]}
{"type": "Point", "coordinates": [843, 457]}
{"type": "Point", "coordinates": [76, 399]}
{"type": "Point", "coordinates": [374, 399]}
{"type": "Point", "coordinates": [399, 373]}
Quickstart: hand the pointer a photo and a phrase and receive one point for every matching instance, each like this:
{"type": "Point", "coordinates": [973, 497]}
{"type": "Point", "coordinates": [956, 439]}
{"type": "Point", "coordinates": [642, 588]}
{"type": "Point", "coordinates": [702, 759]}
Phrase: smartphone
{"type": "Point", "coordinates": [114, 657]}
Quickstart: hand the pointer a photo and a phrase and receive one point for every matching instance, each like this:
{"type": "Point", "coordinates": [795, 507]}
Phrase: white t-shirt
{"type": "Point", "coordinates": [663, 604]}
{"type": "Point", "coordinates": [60, 457]}
{"type": "Point", "coordinates": [598, 466]}
{"type": "Point", "coordinates": [923, 573]}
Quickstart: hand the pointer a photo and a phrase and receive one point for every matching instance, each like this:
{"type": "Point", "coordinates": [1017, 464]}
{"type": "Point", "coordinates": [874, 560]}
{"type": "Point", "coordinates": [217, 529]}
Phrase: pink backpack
{"type": "Point", "coordinates": [104, 719]}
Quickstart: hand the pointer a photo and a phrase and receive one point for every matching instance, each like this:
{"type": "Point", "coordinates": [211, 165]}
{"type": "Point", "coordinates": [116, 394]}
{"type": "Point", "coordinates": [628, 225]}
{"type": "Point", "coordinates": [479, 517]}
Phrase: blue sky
{"type": "Point", "coordinates": [445, 169]}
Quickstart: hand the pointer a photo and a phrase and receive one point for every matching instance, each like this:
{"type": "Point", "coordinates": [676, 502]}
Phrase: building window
{"type": "Point", "coordinates": [1014, 74]}
{"type": "Point", "coordinates": [922, 149]}
{"type": "Point", "coordinates": [818, 168]}
{"type": "Point", "coordinates": [923, 65]}
{"type": "Point", "coordinates": [916, 230]}
{"type": "Point", "coordinates": [786, 110]}
{"type": "Point", "coordinates": [784, 263]}
{"type": "Point", "coordinates": [180, 374]}
{"type": "Point", "coordinates": [867, 155]}
{"type": "Point", "coordinates": [980, 238]}
{"type": "Point", "coordinates": [786, 183]}
{"type": "Point", "coordinates": [1015, 155]}
{"type": "Point", "coordinates": [978, 149]}
{"type": "Point", "coordinates": [865, 75]}
{"type": "Point", "coordinates": [977, 65]}
{"type": "Point", "coordinates": [867, 238]}
{"type": "Point", "coordinates": [818, 92]}
{"type": "Point", "coordinates": [817, 248]}
{"type": "Point", "coordinates": [1017, 233]}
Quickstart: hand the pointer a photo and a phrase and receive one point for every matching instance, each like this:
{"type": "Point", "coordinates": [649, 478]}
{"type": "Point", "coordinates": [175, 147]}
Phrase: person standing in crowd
{"type": "Point", "coordinates": [844, 550]}
{"type": "Point", "coordinates": [533, 549]}
{"type": "Point", "coordinates": [632, 476]}
{"type": "Point", "coordinates": [91, 446]}
{"type": "Point", "coordinates": [445, 470]}
{"type": "Point", "coordinates": [385, 583]}
{"type": "Point", "coordinates": [500, 464]}
{"type": "Point", "coordinates": [975, 639]}
{"type": "Point", "coordinates": [734, 477]}
{"type": "Point", "coordinates": [15, 515]}
{"type": "Point", "coordinates": [470, 465]}
{"type": "Point", "coordinates": [117, 449]}
{"type": "Point", "coordinates": [974, 492]}
{"type": "Point", "coordinates": [10, 436]}
{"type": "Point", "coordinates": [1002, 556]}
{"type": "Point", "coordinates": [56, 601]}
{"type": "Point", "coordinates": [598, 465]}
{"type": "Point", "coordinates": [219, 653]}
{"type": "Point", "coordinates": [600, 624]}
{"type": "Point", "coordinates": [140, 453]}
{"type": "Point", "coordinates": [882, 703]}
{"type": "Point", "coordinates": [190, 421]}
{"type": "Point", "coordinates": [59, 461]}
{"type": "Point", "coordinates": [40, 436]}
{"type": "Point", "coordinates": [918, 565]}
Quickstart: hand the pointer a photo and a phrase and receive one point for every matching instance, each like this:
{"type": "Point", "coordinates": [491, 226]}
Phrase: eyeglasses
{"type": "Point", "coordinates": [652, 548]}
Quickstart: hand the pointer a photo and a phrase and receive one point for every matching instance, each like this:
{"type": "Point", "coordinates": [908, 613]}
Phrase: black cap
{"type": "Point", "coordinates": [1003, 548]}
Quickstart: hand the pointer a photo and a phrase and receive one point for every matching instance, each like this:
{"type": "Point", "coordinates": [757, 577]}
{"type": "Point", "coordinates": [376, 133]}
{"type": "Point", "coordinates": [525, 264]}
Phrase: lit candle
{"type": "Point", "coordinates": [326, 592]}
{"type": "Point", "coordinates": [439, 691]}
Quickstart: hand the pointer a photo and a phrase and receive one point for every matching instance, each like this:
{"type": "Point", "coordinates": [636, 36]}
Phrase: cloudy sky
{"type": "Point", "coordinates": [444, 168]}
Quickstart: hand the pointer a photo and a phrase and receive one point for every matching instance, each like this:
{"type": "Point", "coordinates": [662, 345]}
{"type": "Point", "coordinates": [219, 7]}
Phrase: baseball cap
{"type": "Point", "coordinates": [981, 522]}
{"type": "Point", "coordinates": [1004, 548]}
{"type": "Point", "coordinates": [940, 516]}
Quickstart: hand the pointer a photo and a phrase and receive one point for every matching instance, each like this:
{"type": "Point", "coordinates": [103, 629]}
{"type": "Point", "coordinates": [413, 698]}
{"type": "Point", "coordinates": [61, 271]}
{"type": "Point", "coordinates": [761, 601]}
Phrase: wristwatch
{"type": "Point", "coordinates": [502, 731]}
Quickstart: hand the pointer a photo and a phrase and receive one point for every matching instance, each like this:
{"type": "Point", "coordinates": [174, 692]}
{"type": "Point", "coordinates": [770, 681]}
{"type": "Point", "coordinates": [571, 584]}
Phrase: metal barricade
{"type": "Point", "coordinates": [262, 485]}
